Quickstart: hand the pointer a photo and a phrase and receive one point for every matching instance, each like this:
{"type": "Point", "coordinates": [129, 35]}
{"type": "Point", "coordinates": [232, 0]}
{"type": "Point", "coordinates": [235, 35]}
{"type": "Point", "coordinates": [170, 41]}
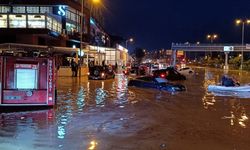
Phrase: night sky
{"type": "Point", "coordinates": [156, 24]}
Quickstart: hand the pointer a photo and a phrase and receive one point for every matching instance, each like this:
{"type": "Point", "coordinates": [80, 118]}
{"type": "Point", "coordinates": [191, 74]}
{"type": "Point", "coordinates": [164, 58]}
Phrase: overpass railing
{"type": "Point", "coordinates": [211, 47]}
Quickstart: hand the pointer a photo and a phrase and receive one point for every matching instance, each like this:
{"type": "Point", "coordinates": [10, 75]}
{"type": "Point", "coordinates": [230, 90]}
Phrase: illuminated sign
{"type": "Point", "coordinates": [228, 48]}
{"type": "Point", "coordinates": [50, 75]}
{"type": "Point", "coordinates": [61, 10]}
{"type": "Point", "coordinates": [92, 21]}
{"type": "Point", "coordinates": [121, 48]}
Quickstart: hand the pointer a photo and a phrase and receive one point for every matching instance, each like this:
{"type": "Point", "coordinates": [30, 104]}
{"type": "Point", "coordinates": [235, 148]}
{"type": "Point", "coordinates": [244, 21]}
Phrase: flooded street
{"type": "Point", "coordinates": [107, 115]}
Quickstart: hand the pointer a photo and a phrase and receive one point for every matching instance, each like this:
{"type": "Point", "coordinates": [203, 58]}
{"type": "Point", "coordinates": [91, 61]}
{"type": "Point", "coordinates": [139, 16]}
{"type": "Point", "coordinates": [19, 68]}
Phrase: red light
{"type": "Point", "coordinates": [50, 98]}
{"type": "Point", "coordinates": [162, 76]}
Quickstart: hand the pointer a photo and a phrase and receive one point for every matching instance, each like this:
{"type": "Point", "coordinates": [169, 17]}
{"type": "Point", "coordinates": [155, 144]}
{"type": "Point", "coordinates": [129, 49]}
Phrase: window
{"type": "Point", "coordinates": [49, 23]}
{"type": "Point", "coordinates": [26, 76]}
{"type": "Point", "coordinates": [45, 10]}
{"type": "Point", "coordinates": [36, 21]}
{"type": "Point", "coordinates": [32, 9]}
{"type": "Point", "coordinates": [4, 9]}
{"type": "Point", "coordinates": [3, 21]}
{"type": "Point", "coordinates": [19, 9]}
{"type": "Point", "coordinates": [17, 21]}
{"type": "Point", "coordinates": [70, 27]}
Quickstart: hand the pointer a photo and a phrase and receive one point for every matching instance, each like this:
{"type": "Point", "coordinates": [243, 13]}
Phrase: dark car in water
{"type": "Point", "coordinates": [156, 83]}
{"type": "Point", "coordinates": [101, 72]}
{"type": "Point", "coordinates": [169, 73]}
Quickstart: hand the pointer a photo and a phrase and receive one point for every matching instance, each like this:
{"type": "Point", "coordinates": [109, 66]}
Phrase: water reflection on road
{"type": "Point", "coordinates": [108, 115]}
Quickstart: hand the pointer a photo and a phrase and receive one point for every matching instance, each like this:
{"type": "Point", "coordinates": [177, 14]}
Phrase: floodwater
{"type": "Point", "coordinates": [107, 115]}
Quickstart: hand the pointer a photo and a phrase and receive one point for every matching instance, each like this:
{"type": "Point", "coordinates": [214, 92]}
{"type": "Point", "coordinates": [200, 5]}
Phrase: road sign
{"type": "Point", "coordinates": [228, 48]}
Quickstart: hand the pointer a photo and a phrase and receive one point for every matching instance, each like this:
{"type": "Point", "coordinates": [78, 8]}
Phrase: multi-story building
{"type": "Point", "coordinates": [53, 23]}
{"type": "Point", "coordinates": [43, 22]}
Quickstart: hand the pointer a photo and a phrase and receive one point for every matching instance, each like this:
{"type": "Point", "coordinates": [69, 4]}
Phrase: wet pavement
{"type": "Point", "coordinates": [107, 115]}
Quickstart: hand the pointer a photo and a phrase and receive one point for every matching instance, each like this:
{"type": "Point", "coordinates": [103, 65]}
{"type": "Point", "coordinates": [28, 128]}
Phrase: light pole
{"type": "Point", "coordinates": [242, 22]}
{"type": "Point", "coordinates": [212, 37]}
{"type": "Point", "coordinates": [129, 40]}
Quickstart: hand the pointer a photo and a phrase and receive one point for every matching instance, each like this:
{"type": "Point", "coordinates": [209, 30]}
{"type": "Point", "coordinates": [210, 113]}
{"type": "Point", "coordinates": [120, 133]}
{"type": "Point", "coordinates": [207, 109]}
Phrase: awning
{"type": "Point", "coordinates": [41, 48]}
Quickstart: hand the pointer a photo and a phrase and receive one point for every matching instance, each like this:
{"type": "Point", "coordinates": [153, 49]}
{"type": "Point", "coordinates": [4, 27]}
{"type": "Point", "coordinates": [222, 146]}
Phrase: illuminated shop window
{"type": "Point", "coordinates": [54, 25]}
{"type": "Point", "coordinates": [36, 21]}
{"type": "Point", "coordinates": [19, 9]}
{"type": "Point", "coordinates": [17, 21]}
{"type": "Point", "coordinates": [32, 9]}
{"type": "Point", "coordinates": [4, 9]}
{"type": "Point", "coordinates": [3, 21]}
{"type": "Point", "coordinates": [49, 23]}
{"type": "Point", "coordinates": [45, 10]}
{"type": "Point", "coordinates": [70, 27]}
{"type": "Point", "coordinates": [59, 28]}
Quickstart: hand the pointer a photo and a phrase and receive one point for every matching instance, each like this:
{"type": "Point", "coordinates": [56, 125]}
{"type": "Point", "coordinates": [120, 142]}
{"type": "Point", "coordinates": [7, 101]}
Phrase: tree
{"type": "Point", "coordinates": [139, 54]}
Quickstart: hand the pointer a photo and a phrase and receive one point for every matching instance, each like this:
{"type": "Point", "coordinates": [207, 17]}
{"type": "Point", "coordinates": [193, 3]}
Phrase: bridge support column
{"type": "Point", "coordinates": [226, 67]}
{"type": "Point", "coordinates": [174, 52]}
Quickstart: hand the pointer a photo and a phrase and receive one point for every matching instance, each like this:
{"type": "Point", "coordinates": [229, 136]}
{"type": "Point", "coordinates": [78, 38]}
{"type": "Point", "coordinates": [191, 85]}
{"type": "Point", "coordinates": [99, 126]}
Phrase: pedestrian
{"type": "Point", "coordinates": [73, 68]}
{"type": "Point", "coordinates": [229, 81]}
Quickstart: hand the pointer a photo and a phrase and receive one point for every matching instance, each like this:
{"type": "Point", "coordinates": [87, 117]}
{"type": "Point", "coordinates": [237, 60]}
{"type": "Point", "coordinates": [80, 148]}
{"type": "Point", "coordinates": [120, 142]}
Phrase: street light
{"type": "Point", "coordinates": [242, 22]}
{"type": "Point", "coordinates": [212, 37]}
{"type": "Point", "coordinates": [129, 40]}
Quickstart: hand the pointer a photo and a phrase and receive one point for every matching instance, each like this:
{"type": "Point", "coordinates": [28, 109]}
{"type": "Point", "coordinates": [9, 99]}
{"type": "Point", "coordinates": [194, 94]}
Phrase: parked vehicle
{"type": "Point", "coordinates": [156, 83]}
{"type": "Point", "coordinates": [170, 74]}
{"type": "Point", "coordinates": [186, 70]}
{"type": "Point", "coordinates": [101, 72]}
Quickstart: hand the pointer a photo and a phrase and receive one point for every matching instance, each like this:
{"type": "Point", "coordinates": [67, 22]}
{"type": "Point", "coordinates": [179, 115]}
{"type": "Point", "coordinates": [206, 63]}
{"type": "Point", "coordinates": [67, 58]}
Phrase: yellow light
{"type": "Point", "coordinates": [215, 36]}
{"type": "Point", "coordinates": [96, 1]}
{"type": "Point", "coordinates": [208, 36]}
{"type": "Point", "coordinates": [238, 21]}
{"type": "Point", "coordinates": [248, 21]}
{"type": "Point", "coordinates": [93, 145]}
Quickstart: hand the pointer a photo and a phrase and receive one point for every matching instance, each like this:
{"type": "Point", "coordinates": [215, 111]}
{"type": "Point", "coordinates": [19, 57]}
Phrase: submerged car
{"type": "Point", "coordinates": [186, 70]}
{"type": "Point", "coordinates": [170, 74]}
{"type": "Point", "coordinates": [156, 83]}
{"type": "Point", "coordinates": [101, 72]}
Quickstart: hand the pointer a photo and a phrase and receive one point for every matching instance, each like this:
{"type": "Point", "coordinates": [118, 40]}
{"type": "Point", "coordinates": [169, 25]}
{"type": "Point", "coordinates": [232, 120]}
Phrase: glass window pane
{"type": "Point", "coordinates": [32, 9]}
{"type": "Point", "coordinates": [19, 9]}
{"type": "Point", "coordinates": [3, 21]}
{"type": "Point", "coordinates": [45, 10]}
{"type": "Point", "coordinates": [26, 78]}
{"type": "Point", "coordinates": [17, 21]}
{"type": "Point", "coordinates": [49, 23]}
{"type": "Point", "coordinates": [4, 9]}
{"type": "Point", "coordinates": [36, 21]}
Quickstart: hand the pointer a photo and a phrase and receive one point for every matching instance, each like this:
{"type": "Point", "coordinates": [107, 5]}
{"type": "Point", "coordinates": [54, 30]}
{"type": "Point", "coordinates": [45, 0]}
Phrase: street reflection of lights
{"type": "Point", "coordinates": [88, 86]}
{"type": "Point", "coordinates": [100, 96]}
{"type": "Point", "coordinates": [93, 145]}
{"type": "Point", "coordinates": [61, 132]}
{"type": "Point", "coordinates": [81, 98]}
{"type": "Point", "coordinates": [242, 120]}
{"type": "Point", "coordinates": [102, 84]}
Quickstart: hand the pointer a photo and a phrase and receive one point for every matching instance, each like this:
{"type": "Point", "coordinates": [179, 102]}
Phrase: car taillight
{"type": "Point", "coordinates": [162, 75]}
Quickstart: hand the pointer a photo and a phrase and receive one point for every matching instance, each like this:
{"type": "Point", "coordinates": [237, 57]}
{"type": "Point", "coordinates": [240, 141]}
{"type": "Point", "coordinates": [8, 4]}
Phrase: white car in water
{"type": "Point", "coordinates": [186, 70]}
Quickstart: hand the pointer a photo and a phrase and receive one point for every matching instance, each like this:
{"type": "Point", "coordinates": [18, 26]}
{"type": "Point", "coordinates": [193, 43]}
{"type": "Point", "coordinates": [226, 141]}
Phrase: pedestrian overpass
{"type": "Point", "coordinates": [226, 48]}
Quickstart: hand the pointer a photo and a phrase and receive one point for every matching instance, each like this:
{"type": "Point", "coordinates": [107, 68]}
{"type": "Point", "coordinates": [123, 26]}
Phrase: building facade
{"type": "Point", "coordinates": [56, 23]}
